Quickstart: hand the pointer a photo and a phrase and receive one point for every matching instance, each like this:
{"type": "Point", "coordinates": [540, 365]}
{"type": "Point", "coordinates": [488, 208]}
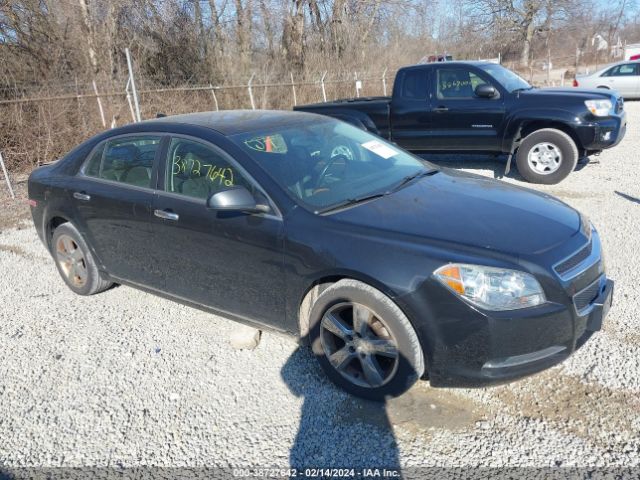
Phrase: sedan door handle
{"type": "Point", "coordinates": [81, 196]}
{"type": "Point", "coordinates": [440, 109]}
{"type": "Point", "coordinates": [166, 215]}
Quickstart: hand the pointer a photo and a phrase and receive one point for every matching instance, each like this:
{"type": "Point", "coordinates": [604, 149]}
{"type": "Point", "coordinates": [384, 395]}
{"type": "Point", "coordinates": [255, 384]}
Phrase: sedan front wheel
{"type": "Point", "coordinates": [364, 342]}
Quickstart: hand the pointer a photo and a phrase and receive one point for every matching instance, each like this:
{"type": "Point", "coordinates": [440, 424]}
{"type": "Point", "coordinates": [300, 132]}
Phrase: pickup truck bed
{"type": "Point", "coordinates": [371, 113]}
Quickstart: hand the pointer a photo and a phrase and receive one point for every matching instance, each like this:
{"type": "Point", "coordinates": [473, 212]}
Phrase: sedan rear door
{"type": "Point", "coordinates": [113, 196]}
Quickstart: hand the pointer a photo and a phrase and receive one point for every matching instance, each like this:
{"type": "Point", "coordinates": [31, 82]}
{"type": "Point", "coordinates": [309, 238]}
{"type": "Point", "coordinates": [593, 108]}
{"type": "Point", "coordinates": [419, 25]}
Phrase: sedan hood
{"type": "Point", "coordinates": [465, 209]}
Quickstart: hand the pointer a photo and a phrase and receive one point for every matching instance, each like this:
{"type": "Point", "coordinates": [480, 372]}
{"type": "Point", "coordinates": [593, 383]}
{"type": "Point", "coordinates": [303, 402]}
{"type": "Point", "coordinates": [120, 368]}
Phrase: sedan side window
{"type": "Point", "coordinates": [126, 160]}
{"type": "Point", "coordinates": [198, 170]}
{"type": "Point", "coordinates": [627, 69]}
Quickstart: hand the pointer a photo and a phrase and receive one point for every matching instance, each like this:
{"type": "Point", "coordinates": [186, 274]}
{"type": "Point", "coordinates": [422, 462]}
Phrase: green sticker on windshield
{"type": "Point", "coordinates": [268, 144]}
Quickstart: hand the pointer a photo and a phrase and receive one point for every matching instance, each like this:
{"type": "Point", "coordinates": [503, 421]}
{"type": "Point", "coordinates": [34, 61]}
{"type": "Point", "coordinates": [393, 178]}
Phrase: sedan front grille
{"type": "Point", "coordinates": [573, 261]}
{"type": "Point", "coordinates": [584, 298]}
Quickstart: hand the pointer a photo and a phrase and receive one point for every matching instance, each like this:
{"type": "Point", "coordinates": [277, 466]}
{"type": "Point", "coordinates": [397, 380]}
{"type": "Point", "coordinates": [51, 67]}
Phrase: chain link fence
{"type": "Point", "coordinates": [42, 122]}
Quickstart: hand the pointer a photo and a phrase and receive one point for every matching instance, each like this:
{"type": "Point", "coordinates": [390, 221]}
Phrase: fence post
{"type": "Point", "coordinates": [384, 82]}
{"type": "Point", "coordinates": [358, 84]}
{"type": "Point", "coordinates": [293, 87]}
{"type": "Point", "coordinates": [95, 89]}
{"type": "Point", "coordinates": [324, 93]}
{"type": "Point", "coordinates": [253, 104]}
{"type": "Point", "coordinates": [6, 176]}
{"type": "Point", "coordinates": [215, 99]}
{"type": "Point", "coordinates": [126, 89]}
{"type": "Point", "coordinates": [133, 84]}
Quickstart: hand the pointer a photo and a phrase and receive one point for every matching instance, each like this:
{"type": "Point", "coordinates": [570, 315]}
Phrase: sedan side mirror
{"type": "Point", "coordinates": [236, 198]}
{"type": "Point", "coordinates": [486, 91]}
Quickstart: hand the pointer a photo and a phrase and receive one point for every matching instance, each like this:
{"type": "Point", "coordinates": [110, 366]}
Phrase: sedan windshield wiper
{"type": "Point", "coordinates": [354, 201]}
{"type": "Point", "coordinates": [413, 176]}
{"type": "Point", "coordinates": [351, 201]}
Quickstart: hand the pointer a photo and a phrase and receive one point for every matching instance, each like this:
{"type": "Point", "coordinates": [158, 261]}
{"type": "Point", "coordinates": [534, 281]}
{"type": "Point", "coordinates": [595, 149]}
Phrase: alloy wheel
{"type": "Point", "coordinates": [359, 345]}
{"type": "Point", "coordinates": [71, 260]}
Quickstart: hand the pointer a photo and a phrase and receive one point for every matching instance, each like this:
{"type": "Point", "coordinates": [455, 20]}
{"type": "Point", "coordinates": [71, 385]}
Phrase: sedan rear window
{"type": "Point", "coordinates": [125, 160]}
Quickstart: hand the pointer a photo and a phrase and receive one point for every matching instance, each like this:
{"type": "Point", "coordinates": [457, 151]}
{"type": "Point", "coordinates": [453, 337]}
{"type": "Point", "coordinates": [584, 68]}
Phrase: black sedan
{"type": "Point", "coordinates": [390, 268]}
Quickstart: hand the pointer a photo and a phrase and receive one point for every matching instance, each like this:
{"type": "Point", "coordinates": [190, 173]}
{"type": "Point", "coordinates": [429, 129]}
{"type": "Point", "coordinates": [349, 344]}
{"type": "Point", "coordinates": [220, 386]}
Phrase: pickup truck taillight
{"type": "Point", "coordinates": [575, 82]}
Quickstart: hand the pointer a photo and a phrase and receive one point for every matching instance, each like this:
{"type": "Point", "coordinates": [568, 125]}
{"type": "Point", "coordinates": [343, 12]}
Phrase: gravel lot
{"type": "Point", "coordinates": [127, 379]}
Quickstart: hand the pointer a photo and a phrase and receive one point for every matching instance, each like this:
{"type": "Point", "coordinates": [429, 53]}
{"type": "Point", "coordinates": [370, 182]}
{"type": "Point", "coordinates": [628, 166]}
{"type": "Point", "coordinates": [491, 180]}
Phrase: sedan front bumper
{"type": "Point", "coordinates": [466, 347]}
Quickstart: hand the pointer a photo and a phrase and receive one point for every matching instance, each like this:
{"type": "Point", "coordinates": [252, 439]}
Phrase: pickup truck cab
{"type": "Point", "coordinates": [484, 107]}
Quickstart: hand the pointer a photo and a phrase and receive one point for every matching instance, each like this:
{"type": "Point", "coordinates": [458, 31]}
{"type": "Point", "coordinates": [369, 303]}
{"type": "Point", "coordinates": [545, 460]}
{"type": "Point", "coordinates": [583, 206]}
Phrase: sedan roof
{"type": "Point", "coordinates": [231, 122]}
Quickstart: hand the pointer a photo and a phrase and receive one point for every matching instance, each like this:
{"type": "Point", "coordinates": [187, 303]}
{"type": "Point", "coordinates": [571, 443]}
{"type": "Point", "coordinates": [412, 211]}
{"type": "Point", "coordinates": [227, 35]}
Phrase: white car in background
{"type": "Point", "coordinates": [624, 77]}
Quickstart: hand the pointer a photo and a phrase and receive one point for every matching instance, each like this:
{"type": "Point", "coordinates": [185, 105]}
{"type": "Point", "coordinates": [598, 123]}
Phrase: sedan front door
{"type": "Point", "coordinates": [228, 261]}
{"type": "Point", "coordinates": [624, 78]}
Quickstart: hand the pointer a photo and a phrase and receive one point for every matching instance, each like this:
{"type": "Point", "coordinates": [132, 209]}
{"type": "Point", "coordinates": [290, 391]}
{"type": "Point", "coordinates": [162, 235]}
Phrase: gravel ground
{"type": "Point", "coordinates": [127, 379]}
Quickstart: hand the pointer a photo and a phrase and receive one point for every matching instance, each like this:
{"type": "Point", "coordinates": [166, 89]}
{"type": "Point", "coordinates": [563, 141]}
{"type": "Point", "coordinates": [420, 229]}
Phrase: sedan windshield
{"type": "Point", "coordinates": [509, 80]}
{"type": "Point", "coordinates": [327, 163]}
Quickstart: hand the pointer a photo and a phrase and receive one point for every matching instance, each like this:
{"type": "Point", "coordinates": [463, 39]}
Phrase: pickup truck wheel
{"type": "Point", "coordinates": [547, 156]}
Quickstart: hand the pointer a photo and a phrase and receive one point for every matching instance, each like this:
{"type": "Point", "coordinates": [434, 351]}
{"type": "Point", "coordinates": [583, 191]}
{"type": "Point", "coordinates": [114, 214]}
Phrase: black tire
{"type": "Point", "coordinates": [560, 141]}
{"type": "Point", "coordinates": [90, 281]}
{"type": "Point", "coordinates": [402, 371]}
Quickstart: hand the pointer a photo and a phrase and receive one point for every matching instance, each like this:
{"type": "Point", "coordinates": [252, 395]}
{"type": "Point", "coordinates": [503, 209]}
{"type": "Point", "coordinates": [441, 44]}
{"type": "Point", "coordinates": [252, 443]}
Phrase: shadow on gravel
{"type": "Point", "coordinates": [473, 161]}
{"type": "Point", "coordinates": [336, 430]}
{"type": "Point", "coordinates": [494, 163]}
{"type": "Point", "coordinates": [627, 197]}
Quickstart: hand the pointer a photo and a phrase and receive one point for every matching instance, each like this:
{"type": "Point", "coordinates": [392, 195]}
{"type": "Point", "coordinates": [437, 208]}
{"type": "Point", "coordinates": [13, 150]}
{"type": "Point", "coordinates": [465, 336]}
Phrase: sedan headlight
{"type": "Point", "coordinates": [600, 108]}
{"type": "Point", "coordinates": [491, 288]}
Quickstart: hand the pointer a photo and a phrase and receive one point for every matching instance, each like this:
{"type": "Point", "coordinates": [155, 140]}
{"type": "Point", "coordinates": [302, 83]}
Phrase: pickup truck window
{"type": "Point", "coordinates": [414, 84]}
{"type": "Point", "coordinates": [457, 83]}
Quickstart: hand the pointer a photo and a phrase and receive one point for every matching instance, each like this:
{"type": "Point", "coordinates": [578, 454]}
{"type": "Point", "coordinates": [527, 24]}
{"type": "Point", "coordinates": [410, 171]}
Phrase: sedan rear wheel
{"type": "Point", "coordinates": [364, 342]}
{"type": "Point", "coordinates": [75, 262]}
{"type": "Point", "coordinates": [71, 260]}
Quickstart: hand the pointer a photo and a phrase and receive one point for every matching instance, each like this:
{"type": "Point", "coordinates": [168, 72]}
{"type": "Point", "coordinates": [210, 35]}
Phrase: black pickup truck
{"type": "Point", "coordinates": [484, 107]}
